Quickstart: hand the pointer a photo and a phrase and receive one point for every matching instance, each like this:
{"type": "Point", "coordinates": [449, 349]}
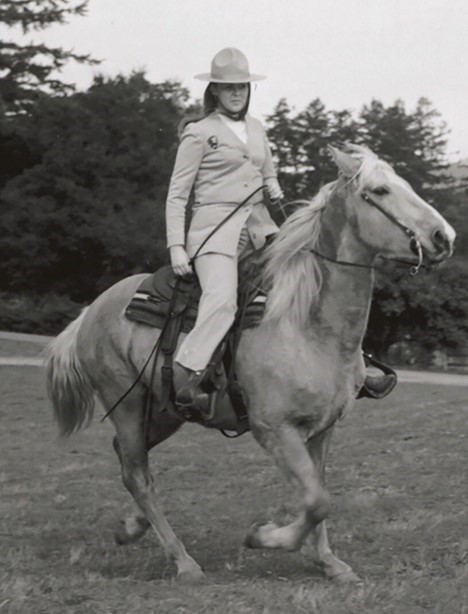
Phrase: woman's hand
{"type": "Point", "coordinates": [179, 260]}
{"type": "Point", "coordinates": [273, 189]}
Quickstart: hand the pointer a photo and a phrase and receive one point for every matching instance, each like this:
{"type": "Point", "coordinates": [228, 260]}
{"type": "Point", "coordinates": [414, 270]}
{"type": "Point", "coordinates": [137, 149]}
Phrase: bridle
{"type": "Point", "coordinates": [415, 243]}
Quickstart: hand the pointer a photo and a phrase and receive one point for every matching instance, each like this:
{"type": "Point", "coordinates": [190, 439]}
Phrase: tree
{"type": "Point", "coordinates": [319, 128]}
{"type": "Point", "coordinates": [285, 145]}
{"type": "Point", "coordinates": [28, 69]}
{"type": "Point", "coordinates": [91, 209]}
{"type": "Point", "coordinates": [299, 144]}
{"type": "Point", "coordinates": [430, 310]}
{"type": "Point", "coordinates": [413, 143]}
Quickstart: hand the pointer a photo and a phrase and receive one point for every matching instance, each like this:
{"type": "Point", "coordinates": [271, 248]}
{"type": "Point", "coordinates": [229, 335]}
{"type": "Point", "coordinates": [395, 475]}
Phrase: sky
{"type": "Point", "coordinates": [344, 52]}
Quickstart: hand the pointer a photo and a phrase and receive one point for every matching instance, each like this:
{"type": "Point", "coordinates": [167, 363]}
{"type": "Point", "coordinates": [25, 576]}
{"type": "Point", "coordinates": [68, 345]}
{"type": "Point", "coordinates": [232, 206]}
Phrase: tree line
{"type": "Point", "coordinates": [85, 175]}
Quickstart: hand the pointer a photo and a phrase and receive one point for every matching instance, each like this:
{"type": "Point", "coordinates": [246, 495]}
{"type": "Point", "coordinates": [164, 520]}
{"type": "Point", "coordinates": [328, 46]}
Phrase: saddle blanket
{"type": "Point", "coordinates": [151, 302]}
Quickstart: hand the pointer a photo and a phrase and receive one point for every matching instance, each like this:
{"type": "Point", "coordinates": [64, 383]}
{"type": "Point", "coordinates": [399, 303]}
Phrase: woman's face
{"type": "Point", "coordinates": [231, 96]}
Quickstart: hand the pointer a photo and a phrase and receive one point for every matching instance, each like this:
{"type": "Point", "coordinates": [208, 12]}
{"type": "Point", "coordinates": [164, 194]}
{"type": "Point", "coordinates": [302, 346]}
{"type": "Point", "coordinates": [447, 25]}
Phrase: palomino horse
{"type": "Point", "coordinates": [300, 369]}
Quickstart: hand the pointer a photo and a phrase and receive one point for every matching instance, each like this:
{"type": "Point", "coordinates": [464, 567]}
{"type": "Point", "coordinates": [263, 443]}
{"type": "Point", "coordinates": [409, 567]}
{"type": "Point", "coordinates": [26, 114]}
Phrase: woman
{"type": "Point", "coordinates": [224, 158]}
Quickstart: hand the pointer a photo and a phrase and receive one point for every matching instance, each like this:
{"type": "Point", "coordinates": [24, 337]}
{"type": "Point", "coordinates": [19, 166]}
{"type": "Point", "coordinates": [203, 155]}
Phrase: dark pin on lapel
{"type": "Point", "coordinates": [213, 142]}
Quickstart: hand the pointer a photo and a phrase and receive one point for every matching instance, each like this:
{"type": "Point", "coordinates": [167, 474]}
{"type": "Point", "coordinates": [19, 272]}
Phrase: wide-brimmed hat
{"type": "Point", "coordinates": [229, 66]}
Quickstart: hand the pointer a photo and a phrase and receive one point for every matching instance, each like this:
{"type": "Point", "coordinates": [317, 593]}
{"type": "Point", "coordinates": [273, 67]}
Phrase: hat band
{"type": "Point", "coordinates": [234, 75]}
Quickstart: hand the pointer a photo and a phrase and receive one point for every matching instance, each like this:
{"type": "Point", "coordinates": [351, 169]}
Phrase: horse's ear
{"type": "Point", "coordinates": [348, 165]}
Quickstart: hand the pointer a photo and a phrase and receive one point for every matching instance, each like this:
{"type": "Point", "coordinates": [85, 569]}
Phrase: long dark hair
{"type": "Point", "coordinates": [210, 104]}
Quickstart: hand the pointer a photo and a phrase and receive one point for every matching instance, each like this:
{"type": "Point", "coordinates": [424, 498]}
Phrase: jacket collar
{"type": "Point", "coordinates": [232, 136]}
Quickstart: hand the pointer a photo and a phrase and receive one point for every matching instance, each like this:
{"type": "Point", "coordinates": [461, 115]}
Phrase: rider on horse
{"type": "Point", "coordinates": [225, 158]}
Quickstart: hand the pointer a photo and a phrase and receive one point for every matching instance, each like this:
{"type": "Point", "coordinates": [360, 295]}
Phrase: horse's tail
{"type": "Point", "coordinates": [68, 385]}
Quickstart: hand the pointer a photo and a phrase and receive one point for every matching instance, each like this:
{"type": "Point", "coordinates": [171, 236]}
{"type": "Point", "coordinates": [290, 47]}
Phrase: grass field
{"type": "Point", "coordinates": [397, 474]}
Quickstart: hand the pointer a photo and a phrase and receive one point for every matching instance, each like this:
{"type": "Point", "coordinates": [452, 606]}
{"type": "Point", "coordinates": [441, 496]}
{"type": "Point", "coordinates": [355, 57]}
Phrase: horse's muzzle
{"type": "Point", "coordinates": [440, 248]}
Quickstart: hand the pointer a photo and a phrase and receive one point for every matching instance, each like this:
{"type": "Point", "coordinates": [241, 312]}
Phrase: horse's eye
{"type": "Point", "coordinates": [380, 191]}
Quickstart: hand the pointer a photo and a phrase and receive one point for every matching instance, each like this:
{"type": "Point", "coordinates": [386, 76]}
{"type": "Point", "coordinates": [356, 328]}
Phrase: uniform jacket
{"type": "Point", "coordinates": [223, 171]}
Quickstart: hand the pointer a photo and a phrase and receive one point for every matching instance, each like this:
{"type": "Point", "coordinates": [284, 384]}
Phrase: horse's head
{"type": "Point", "coordinates": [387, 214]}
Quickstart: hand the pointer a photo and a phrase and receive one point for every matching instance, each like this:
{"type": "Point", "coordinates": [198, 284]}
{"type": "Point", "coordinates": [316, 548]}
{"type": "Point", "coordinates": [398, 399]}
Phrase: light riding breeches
{"type": "Point", "coordinates": [217, 274]}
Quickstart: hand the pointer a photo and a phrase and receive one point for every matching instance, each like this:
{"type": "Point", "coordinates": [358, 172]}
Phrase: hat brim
{"type": "Point", "coordinates": [206, 76]}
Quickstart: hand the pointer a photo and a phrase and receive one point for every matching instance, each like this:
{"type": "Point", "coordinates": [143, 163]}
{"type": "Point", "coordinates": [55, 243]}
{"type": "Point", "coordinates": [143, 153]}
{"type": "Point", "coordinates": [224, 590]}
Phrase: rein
{"type": "Point", "coordinates": [411, 234]}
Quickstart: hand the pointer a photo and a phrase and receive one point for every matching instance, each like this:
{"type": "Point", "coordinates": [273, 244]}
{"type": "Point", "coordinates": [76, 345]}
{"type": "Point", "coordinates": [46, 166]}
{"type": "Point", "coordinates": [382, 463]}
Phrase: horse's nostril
{"type": "Point", "coordinates": [440, 240]}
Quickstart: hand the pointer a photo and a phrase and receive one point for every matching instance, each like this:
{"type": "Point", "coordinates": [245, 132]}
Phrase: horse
{"type": "Point", "coordinates": [300, 369]}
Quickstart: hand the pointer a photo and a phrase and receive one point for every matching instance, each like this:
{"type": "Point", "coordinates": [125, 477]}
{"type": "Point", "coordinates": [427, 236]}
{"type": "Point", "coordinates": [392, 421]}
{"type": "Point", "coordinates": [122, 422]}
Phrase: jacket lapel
{"type": "Point", "coordinates": [250, 132]}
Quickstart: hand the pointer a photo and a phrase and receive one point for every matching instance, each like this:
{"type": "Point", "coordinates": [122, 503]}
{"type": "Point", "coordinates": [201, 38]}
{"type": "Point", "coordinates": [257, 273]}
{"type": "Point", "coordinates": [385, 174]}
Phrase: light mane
{"type": "Point", "coordinates": [292, 274]}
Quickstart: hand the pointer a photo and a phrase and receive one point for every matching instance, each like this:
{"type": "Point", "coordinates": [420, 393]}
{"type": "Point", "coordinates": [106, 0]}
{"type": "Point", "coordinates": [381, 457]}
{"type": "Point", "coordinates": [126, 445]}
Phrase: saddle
{"type": "Point", "coordinates": [170, 303]}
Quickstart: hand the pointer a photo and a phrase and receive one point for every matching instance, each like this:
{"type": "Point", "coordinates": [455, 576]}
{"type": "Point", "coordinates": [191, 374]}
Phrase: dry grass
{"type": "Point", "coordinates": [397, 475]}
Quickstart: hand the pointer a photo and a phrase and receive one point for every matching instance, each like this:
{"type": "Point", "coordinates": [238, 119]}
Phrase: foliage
{"type": "Point", "coordinates": [28, 69]}
{"type": "Point", "coordinates": [28, 313]}
{"type": "Point", "coordinates": [413, 142]}
{"type": "Point", "coordinates": [430, 309]}
{"type": "Point", "coordinates": [90, 211]}
{"type": "Point", "coordinates": [299, 145]}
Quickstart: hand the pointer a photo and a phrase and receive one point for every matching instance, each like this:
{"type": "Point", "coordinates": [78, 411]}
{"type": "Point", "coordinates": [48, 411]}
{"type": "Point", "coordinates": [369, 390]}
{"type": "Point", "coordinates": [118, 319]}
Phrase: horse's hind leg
{"type": "Point", "coordinates": [135, 525]}
{"type": "Point", "coordinates": [290, 453]}
{"type": "Point", "coordinates": [138, 480]}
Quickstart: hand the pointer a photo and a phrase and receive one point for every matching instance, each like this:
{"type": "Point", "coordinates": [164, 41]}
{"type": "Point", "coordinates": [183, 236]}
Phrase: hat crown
{"type": "Point", "coordinates": [230, 62]}
{"type": "Point", "coordinates": [229, 65]}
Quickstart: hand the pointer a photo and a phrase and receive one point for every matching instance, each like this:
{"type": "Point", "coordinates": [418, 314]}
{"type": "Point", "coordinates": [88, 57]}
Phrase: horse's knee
{"type": "Point", "coordinates": [318, 506]}
{"type": "Point", "coordinates": [136, 478]}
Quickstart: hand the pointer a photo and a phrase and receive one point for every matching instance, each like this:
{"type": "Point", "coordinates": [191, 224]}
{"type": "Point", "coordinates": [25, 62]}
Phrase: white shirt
{"type": "Point", "coordinates": [237, 126]}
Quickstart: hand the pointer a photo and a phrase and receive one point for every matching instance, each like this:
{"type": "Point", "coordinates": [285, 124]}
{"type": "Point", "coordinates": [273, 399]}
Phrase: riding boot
{"type": "Point", "coordinates": [191, 401]}
{"type": "Point", "coordinates": [377, 386]}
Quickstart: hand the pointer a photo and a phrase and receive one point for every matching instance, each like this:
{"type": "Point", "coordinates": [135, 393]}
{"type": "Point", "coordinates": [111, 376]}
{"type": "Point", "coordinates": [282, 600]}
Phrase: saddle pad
{"type": "Point", "coordinates": [151, 302]}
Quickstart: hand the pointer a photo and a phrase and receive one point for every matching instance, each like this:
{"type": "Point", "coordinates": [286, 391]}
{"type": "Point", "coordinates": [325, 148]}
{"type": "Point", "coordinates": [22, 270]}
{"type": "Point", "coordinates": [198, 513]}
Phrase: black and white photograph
{"type": "Point", "coordinates": [233, 307]}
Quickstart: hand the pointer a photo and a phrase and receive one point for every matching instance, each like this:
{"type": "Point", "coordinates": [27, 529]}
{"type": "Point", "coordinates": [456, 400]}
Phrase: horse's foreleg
{"type": "Point", "coordinates": [139, 482]}
{"type": "Point", "coordinates": [324, 559]}
{"type": "Point", "coordinates": [290, 453]}
{"type": "Point", "coordinates": [321, 554]}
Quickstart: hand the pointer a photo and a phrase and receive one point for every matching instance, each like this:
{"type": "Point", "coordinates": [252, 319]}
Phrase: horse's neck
{"type": "Point", "coordinates": [342, 309]}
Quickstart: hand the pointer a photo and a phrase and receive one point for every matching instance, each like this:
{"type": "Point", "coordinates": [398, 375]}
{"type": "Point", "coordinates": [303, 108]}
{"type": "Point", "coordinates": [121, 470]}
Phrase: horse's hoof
{"type": "Point", "coordinates": [121, 537]}
{"type": "Point", "coordinates": [256, 536]}
{"type": "Point", "coordinates": [347, 577]}
{"type": "Point", "coordinates": [192, 576]}
{"type": "Point", "coordinates": [124, 534]}
{"type": "Point", "coordinates": [252, 541]}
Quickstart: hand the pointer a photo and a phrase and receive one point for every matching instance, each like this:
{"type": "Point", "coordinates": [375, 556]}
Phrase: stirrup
{"type": "Point", "coordinates": [385, 385]}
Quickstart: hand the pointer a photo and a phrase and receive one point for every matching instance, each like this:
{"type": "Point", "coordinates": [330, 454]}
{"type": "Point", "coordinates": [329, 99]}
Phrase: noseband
{"type": "Point", "coordinates": [415, 243]}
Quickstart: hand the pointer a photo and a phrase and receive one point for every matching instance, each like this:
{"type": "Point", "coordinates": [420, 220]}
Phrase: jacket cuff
{"type": "Point", "coordinates": [175, 238]}
{"type": "Point", "coordinates": [272, 181]}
